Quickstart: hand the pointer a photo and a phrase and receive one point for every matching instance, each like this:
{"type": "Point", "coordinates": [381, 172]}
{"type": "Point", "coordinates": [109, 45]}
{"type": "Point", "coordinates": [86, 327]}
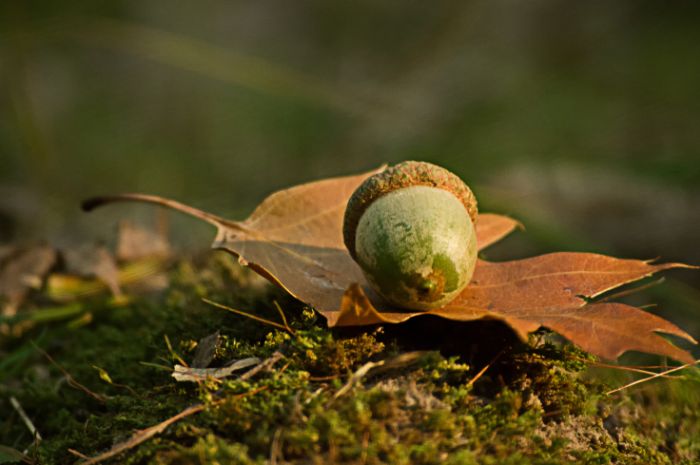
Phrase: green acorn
{"type": "Point", "coordinates": [411, 230]}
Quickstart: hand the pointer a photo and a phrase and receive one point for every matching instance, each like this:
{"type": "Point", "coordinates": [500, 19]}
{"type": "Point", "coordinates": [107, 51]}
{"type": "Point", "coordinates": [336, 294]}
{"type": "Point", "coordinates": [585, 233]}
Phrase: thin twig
{"type": "Point", "coordinates": [484, 369]}
{"type": "Point", "coordinates": [365, 446]}
{"type": "Point", "coordinates": [403, 360]}
{"type": "Point", "coordinates": [275, 447]}
{"type": "Point", "coordinates": [156, 365]}
{"type": "Point", "coordinates": [69, 378]}
{"type": "Point", "coordinates": [656, 375]}
{"type": "Point", "coordinates": [78, 454]}
{"type": "Point", "coordinates": [357, 376]}
{"type": "Point", "coordinates": [143, 435]}
{"type": "Point", "coordinates": [323, 378]}
{"type": "Point", "coordinates": [265, 365]}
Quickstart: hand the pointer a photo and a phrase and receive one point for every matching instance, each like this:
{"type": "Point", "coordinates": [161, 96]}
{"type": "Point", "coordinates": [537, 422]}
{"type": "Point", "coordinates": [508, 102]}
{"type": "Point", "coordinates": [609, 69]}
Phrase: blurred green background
{"type": "Point", "coordinates": [581, 119]}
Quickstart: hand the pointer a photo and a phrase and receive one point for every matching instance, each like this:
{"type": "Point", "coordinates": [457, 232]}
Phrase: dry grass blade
{"type": "Point", "coordinates": [249, 315]}
{"type": "Point", "coordinates": [173, 354]}
{"type": "Point", "coordinates": [284, 317]}
{"type": "Point", "coordinates": [25, 418]}
{"type": "Point", "coordinates": [227, 65]}
{"type": "Point", "coordinates": [634, 369]}
{"type": "Point", "coordinates": [655, 375]}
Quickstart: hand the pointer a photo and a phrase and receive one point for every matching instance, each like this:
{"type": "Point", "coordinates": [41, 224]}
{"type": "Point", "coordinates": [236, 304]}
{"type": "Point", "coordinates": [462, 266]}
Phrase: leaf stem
{"type": "Point", "coordinates": [95, 202]}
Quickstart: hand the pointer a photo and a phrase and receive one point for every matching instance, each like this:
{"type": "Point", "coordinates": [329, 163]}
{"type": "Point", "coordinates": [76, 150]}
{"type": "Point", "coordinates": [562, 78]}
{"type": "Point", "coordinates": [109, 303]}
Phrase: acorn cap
{"type": "Point", "coordinates": [405, 174]}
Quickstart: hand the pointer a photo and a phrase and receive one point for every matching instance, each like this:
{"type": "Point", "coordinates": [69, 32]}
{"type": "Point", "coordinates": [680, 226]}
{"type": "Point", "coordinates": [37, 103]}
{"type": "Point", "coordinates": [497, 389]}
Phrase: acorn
{"type": "Point", "coordinates": [411, 230]}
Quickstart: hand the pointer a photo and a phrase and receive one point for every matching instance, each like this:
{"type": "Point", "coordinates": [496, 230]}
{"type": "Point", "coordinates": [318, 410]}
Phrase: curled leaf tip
{"type": "Point", "coordinates": [91, 203]}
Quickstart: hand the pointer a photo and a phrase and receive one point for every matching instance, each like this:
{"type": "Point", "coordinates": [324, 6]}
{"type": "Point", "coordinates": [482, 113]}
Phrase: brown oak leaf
{"type": "Point", "coordinates": [22, 269]}
{"type": "Point", "coordinates": [294, 239]}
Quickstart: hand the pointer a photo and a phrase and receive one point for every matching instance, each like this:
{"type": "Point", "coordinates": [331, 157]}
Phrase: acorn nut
{"type": "Point", "coordinates": [411, 230]}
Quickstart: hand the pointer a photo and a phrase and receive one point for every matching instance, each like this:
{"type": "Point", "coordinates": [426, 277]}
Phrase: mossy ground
{"type": "Point", "coordinates": [536, 404]}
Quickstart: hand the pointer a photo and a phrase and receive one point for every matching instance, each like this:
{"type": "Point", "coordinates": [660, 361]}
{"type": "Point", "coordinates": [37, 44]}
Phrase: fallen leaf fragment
{"type": "Point", "coordinates": [94, 261]}
{"type": "Point", "coordinates": [182, 373]}
{"type": "Point", "coordinates": [11, 455]}
{"type": "Point", "coordinates": [23, 269]}
{"type": "Point", "coordinates": [136, 243]}
{"type": "Point", "coordinates": [142, 276]}
{"type": "Point", "coordinates": [294, 239]}
{"type": "Point", "coordinates": [206, 349]}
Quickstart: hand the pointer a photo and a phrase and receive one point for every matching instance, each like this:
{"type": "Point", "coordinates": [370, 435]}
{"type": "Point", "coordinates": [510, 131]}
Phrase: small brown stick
{"type": "Point", "coordinates": [78, 454]}
{"type": "Point", "coordinates": [365, 446]}
{"type": "Point", "coordinates": [400, 361]}
{"type": "Point", "coordinates": [265, 365]}
{"type": "Point", "coordinates": [484, 369]}
{"type": "Point", "coordinates": [649, 378]}
{"type": "Point", "coordinates": [275, 446]}
{"type": "Point", "coordinates": [69, 378]}
{"type": "Point", "coordinates": [323, 378]}
{"type": "Point", "coordinates": [143, 435]}
{"type": "Point", "coordinates": [357, 376]}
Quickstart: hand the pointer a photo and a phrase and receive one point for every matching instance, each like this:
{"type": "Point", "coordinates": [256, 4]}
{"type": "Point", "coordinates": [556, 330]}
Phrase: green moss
{"type": "Point", "coordinates": [536, 404]}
